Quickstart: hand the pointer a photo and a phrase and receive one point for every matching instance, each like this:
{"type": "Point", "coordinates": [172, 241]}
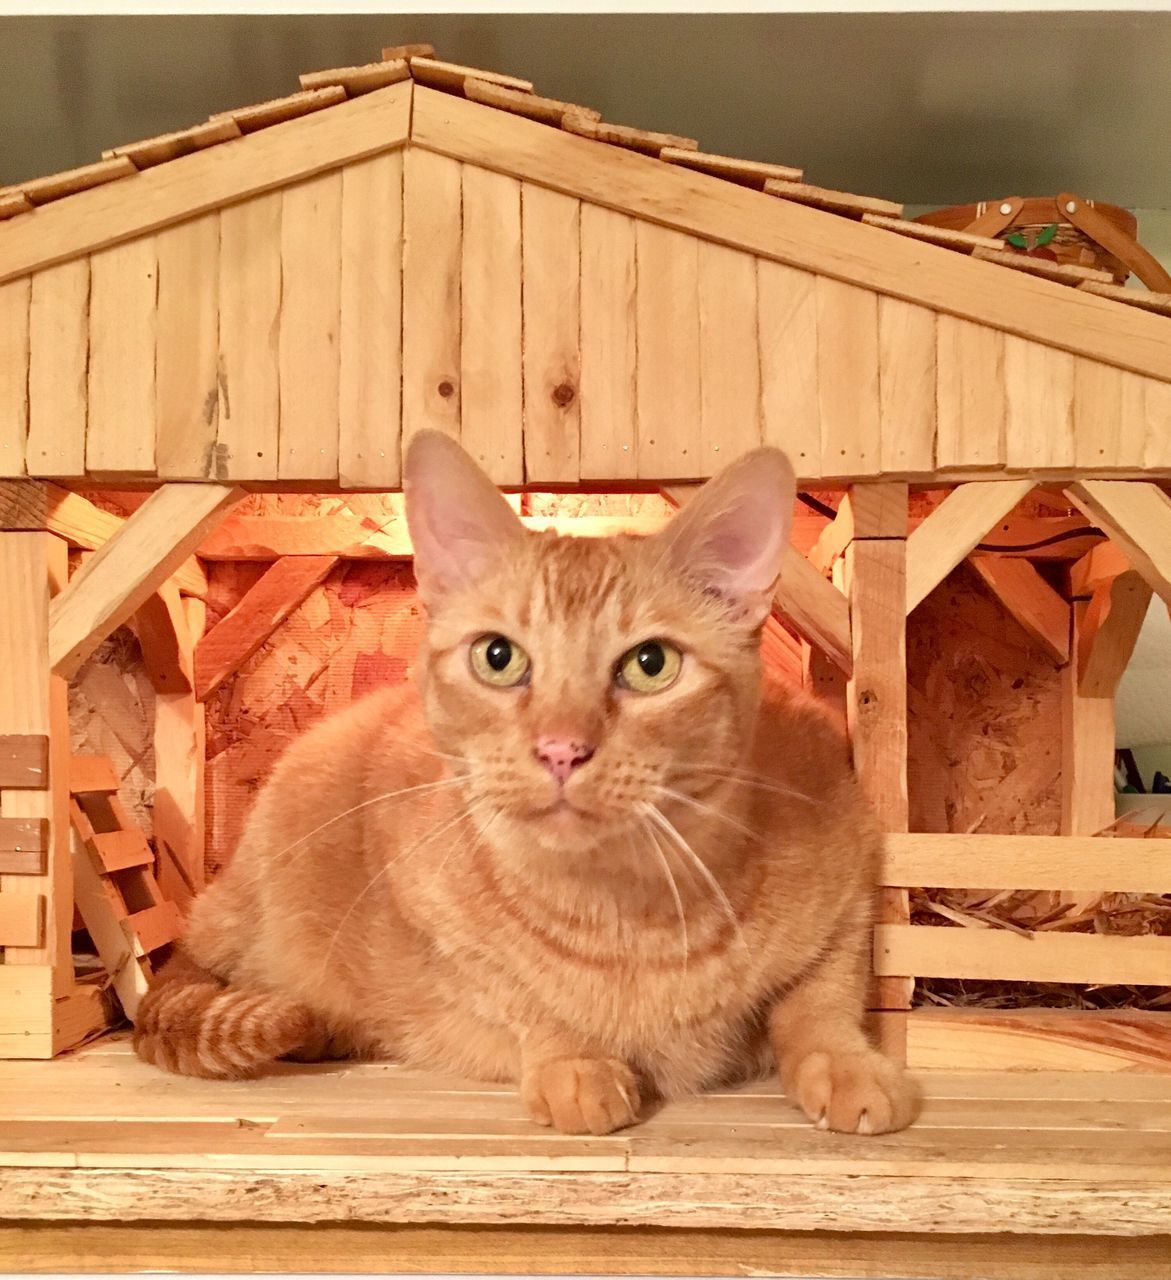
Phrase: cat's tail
{"type": "Point", "coordinates": [191, 1023]}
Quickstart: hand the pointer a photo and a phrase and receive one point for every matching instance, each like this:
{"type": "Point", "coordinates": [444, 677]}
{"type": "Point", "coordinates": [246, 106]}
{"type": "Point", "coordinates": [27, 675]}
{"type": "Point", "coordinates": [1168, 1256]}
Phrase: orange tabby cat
{"type": "Point", "coordinates": [588, 854]}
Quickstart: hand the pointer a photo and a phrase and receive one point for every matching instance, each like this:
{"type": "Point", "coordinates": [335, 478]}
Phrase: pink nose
{"type": "Point", "coordinates": [561, 756]}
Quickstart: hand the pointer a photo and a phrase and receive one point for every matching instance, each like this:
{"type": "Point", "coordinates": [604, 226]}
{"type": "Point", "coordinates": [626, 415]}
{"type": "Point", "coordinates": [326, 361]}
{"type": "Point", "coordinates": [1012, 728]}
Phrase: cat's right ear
{"type": "Point", "coordinates": [459, 522]}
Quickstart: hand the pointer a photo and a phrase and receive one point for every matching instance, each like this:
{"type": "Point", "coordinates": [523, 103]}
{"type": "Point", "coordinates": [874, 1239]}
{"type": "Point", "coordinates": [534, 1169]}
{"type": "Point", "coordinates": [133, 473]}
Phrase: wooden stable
{"type": "Point", "coordinates": [273, 302]}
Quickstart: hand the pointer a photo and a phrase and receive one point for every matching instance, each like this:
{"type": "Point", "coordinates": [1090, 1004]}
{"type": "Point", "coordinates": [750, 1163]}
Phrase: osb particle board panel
{"type": "Point", "coordinates": [984, 717]}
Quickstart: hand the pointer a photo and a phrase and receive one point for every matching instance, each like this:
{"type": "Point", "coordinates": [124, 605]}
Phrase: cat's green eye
{"type": "Point", "coordinates": [649, 667]}
{"type": "Point", "coordinates": [499, 661]}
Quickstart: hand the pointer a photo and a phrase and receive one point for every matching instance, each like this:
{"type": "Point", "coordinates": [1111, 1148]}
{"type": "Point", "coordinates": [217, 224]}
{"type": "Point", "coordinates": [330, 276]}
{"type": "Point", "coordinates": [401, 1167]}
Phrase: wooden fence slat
{"type": "Point", "coordinates": [22, 919]}
{"type": "Point", "coordinates": [729, 355]}
{"type": "Point", "coordinates": [1107, 431]}
{"type": "Point", "coordinates": [14, 367]}
{"type": "Point", "coordinates": [492, 413]}
{"type": "Point", "coordinates": [667, 377]}
{"type": "Point", "coordinates": [432, 213]}
{"type": "Point", "coordinates": [969, 394]}
{"type": "Point", "coordinates": [787, 320]}
{"type": "Point", "coordinates": [847, 378]}
{"type": "Point", "coordinates": [1001, 955]}
{"type": "Point", "coordinates": [120, 434]}
{"type": "Point", "coordinates": [906, 387]}
{"type": "Point", "coordinates": [1089, 863]}
{"type": "Point", "coordinates": [370, 336]}
{"type": "Point", "coordinates": [311, 271]}
{"type": "Point", "coordinates": [1030, 599]}
{"type": "Point", "coordinates": [609, 414]}
{"type": "Point", "coordinates": [187, 340]}
{"type": "Point", "coordinates": [249, 367]}
{"type": "Point", "coordinates": [59, 354]}
{"type": "Point", "coordinates": [1039, 392]}
{"type": "Point", "coordinates": [551, 299]}
{"type": "Point", "coordinates": [1156, 417]}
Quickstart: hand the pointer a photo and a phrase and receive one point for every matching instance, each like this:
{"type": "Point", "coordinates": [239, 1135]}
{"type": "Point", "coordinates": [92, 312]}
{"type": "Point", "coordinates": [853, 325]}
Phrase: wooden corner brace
{"type": "Point", "coordinates": [131, 567]}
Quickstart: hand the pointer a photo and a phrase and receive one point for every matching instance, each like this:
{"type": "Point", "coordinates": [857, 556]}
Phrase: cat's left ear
{"type": "Point", "coordinates": [732, 536]}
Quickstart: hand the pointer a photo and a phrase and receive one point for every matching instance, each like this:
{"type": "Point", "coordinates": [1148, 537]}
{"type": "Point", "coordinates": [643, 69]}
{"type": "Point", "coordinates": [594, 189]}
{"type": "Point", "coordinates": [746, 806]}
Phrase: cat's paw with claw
{"type": "Point", "coordinates": [853, 1092]}
{"type": "Point", "coordinates": [582, 1095]}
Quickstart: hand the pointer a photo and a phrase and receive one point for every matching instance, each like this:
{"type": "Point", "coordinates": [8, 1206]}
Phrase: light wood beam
{"type": "Point", "coordinates": [1137, 515]}
{"type": "Point", "coordinates": [1042, 613]}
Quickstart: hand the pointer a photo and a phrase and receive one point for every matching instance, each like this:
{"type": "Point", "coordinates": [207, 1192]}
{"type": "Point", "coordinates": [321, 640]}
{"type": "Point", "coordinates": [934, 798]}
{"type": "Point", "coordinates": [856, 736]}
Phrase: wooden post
{"type": "Point", "coordinates": [875, 574]}
{"type": "Point", "coordinates": [42, 1009]}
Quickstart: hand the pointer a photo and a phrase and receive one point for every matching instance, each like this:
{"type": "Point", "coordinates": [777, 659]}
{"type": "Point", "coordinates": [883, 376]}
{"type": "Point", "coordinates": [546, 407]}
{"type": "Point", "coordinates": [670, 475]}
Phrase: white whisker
{"type": "Point", "coordinates": [708, 809]}
{"type": "Point", "coordinates": [745, 778]}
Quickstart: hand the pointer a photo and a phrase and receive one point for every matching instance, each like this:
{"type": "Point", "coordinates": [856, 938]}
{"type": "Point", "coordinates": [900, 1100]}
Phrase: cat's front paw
{"type": "Point", "coordinates": [582, 1095]}
{"type": "Point", "coordinates": [853, 1092]}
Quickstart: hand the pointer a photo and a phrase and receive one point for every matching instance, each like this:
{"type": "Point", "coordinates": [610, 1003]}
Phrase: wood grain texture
{"type": "Point", "coordinates": [1004, 956]}
{"type": "Point", "coordinates": [551, 300]}
{"type": "Point", "coordinates": [120, 434]}
{"type": "Point", "coordinates": [1087, 747]}
{"type": "Point", "coordinates": [371, 327]}
{"type": "Point", "coordinates": [59, 355]}
{"type": "Point", "coordinates": [669, 416]}
{"type": "Point", "coordinates": [787, 321]}
{"type": "Point", "coordinates": [1030, 599]}
{"type": "Point", "coordinates": [237, 636]}
{"type": "Point", "coordinates": [207, 180]}
{"type": "Point", "coordinates": [14, 366]}
{"type": "Point", "coordinates": [729, 356]}
{"type": "Point", "coordinates": [609, 412]}
{"type": "Point", "coordinates": [249, 333]}
{"type": "Point", "coordinates": [906, 387]}
{"type": "Point", "coordinates": [1136, 515]}
{"type": "Point", "coordinates": [964, 861]}
{"type": "Point", "coordinates": [311, 270]}
{"type": "Point", "coordinates": [187, 348]}
{"type": "Point", "coordinates": [816, 608]}
{"type": "Point", "coordinates": [847, 378]}
{"type": "Point", "coordinates": [491, 354]}
{"type": "Point", "coordinates": [119, 578]}
{"type": "Point", "coordinates": [1108, 632]}
{"type": "Point", "coordinates": [1039, 391]}
{"type": "Point", "coordinates": [954, 528]}
{"type": "Point", "coordinates": [969, 394]}
{"type": "Point", "coordinates": [432, 215]}
{"type": "Point", "coordinates": [1109, 417]}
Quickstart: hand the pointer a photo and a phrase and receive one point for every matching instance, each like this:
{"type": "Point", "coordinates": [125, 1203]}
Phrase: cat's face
{"type": "Point", "coordinates": [582, 684]}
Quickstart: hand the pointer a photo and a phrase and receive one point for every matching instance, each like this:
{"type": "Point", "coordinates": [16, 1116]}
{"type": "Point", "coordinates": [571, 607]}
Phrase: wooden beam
{"type": "Point", "coordinates": [966, 861]}
{"type": "Point", "coordinates": [1042, 613]}
{"type": "Point", "coordinates": [1137, 515]}
{"type": "Point", "coordinates": [38, 504]}
{"type": "Point", "coordinates": [229, 644]}
{"type": "Point", "coordinates": [1100, 564]}
{"type": "Point", "coordinates": [162, 634]}
{"type": "Point", "coordinates": [819, 611]}
{"type": "Point", "coordinates": [787, 232]}
{"type": "Point", "coordinates": [1087, 746]}
{"type": "Point", "coordinates": [193, 184]}
{"type": "Point", "coordinates": [1109, 633]}
{"type": "Point", "coordinates": [131, 566]}
{"type": "Point", "coordinates": [953, 529]}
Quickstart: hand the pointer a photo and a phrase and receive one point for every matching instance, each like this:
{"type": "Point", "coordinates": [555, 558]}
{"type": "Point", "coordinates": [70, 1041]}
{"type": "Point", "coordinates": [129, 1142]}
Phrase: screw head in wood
{"type": "Point", "coordinates": [1071, 206]}
{"type": "Point", "coordinates": [1006, 208]}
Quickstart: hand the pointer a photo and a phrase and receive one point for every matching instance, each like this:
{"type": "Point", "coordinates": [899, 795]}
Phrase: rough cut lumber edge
{"type": "Point", "coordinates": [233, 640]}
{"type": "Point", "coordinates": [546, 110]}
{"type": "Point", "coordinates": [42, 191]}
{"type": "Point", "coordinates": [15, 297]}
{"type": "Point", "coordinates": [787, 232]}
{"type": "Point", "coordinates": [207, 180]}
{"type": "Point", "coordinates": [1160, 303]}
{"type": "Point", "coordinates": [1136, 515]}
{"type": "Point", "coordinates": [1092, 863]}
{"type": "Point", "coordinates": [157, 538]}
{"type": "Point", "coordinates": [938, 952]}
{"type": "Point", "coordinates": [1062, 272]}
{"type": "Point", "coordinates": [1030, 599]}
{"type": "Point", "coordinates": [358, 80]}
{"type": "Point", "coordinates": [623, 135]}
{"type": "Point", "coordinates": [1089, 1204]}
{"type": "Point", "coordinates": [170, 146]}
{"type": "Point", "coordinates": [834, 201]}
{"type": "Point", "coordinates": [38, 505]}
{"type": "Point", "coordinates": [1038, 1040]}
{"type": "Point", "coordinates": [962, 240]}
{"type": "Point", "coordinates": [357, 1248]}
{"type": "Point", "coordinates": [280, 110]}
{"type": "Point", "coordinates": [451, 75]}
{"type": "Point", "coordinates": [13, 202]}
{"type": "Point", "coordinates": [953, 529]}
{"type": "Point", "coordinates": [750, 173]}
